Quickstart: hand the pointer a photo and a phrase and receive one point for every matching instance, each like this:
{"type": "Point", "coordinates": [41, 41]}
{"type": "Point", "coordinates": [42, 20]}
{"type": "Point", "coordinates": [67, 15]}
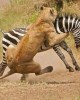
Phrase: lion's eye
{"type": "Point", "coordinates": [52, 12]}
{"type": "Point", "coordinates": [41, 8]}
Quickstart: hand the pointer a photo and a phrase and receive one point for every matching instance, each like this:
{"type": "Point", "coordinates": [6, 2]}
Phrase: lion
{"type": "Point", "coordinates": [20, 58]}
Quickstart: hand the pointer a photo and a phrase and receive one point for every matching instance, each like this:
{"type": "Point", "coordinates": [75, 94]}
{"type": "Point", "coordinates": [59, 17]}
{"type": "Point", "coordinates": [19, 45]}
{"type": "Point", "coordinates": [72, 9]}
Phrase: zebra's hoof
{"type": "Point", "coordinates": [71, 69]}
{"type": "Point", "coordinates": [77, 68]}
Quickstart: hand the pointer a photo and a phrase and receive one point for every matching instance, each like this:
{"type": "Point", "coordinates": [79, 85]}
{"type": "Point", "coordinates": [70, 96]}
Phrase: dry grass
{"type": "Point", "coordinates": [62, 90]}
{"type": "Point", "coordinates": [72, 8]}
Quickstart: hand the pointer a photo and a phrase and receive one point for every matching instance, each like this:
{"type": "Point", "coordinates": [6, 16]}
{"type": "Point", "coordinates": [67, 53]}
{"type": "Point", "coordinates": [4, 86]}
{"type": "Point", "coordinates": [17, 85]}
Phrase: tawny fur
{"type": "Point", "coordinates": [22, 60]}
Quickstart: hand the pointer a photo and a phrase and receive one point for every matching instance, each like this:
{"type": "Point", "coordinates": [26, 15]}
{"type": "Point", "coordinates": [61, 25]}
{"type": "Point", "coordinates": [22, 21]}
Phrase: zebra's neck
{"type": "Point", "coordinates": [68, 24]}
{"type": "Point", "coordinates": [65, 24]}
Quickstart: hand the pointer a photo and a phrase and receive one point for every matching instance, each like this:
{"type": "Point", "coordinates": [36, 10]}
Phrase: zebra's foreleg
{"type": "Point", "coordinates": [62, 57]}
{"type": "Point", "coordinates": [66, 48]}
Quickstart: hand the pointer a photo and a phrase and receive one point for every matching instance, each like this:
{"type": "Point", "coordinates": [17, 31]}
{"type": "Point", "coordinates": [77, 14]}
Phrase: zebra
{"type": "Point", "coordinates": [66, 24]}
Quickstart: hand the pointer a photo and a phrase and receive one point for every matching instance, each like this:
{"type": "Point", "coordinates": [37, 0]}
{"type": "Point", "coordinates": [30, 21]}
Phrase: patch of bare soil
{"type": "Point", "coordinates": [54, 86]}
{"type": "Point", "coordinates": [57, 85]}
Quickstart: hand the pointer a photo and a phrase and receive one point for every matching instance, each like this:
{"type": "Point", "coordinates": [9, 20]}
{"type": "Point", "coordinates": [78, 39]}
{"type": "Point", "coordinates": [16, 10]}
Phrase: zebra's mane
{"type": "Point", "coordinates": [66, 15]}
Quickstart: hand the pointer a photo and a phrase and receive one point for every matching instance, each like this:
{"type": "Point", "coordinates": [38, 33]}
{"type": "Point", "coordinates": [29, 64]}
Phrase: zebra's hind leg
{"type": "Point", "coordinates": [66, 48]}
{"type": "Point", "coordinates": [62, 57]}
{"type": "Point", "coordinates": [2, 68]}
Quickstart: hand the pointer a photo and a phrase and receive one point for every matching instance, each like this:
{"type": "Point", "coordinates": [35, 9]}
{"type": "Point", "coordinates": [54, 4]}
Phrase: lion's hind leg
{"type": "Point", "coordinates": [10, 54]}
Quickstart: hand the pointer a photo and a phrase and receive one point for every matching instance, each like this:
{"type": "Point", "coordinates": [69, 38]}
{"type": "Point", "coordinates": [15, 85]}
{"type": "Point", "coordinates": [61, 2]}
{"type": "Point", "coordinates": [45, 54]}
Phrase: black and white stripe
{"type": "Point", "coordinates": [66, 24]}
{"type": "Point", "coordinates": [63, 24]}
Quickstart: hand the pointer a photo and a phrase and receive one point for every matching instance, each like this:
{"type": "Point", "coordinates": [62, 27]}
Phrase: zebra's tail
{"type": "Point", "coordinates": [2, 31]}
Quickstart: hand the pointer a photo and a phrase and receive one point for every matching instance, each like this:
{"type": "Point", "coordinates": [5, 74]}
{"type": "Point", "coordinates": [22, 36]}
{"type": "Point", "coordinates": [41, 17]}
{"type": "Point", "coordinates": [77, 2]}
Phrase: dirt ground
{"type": "Point", "coordinates": [57, 85]}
